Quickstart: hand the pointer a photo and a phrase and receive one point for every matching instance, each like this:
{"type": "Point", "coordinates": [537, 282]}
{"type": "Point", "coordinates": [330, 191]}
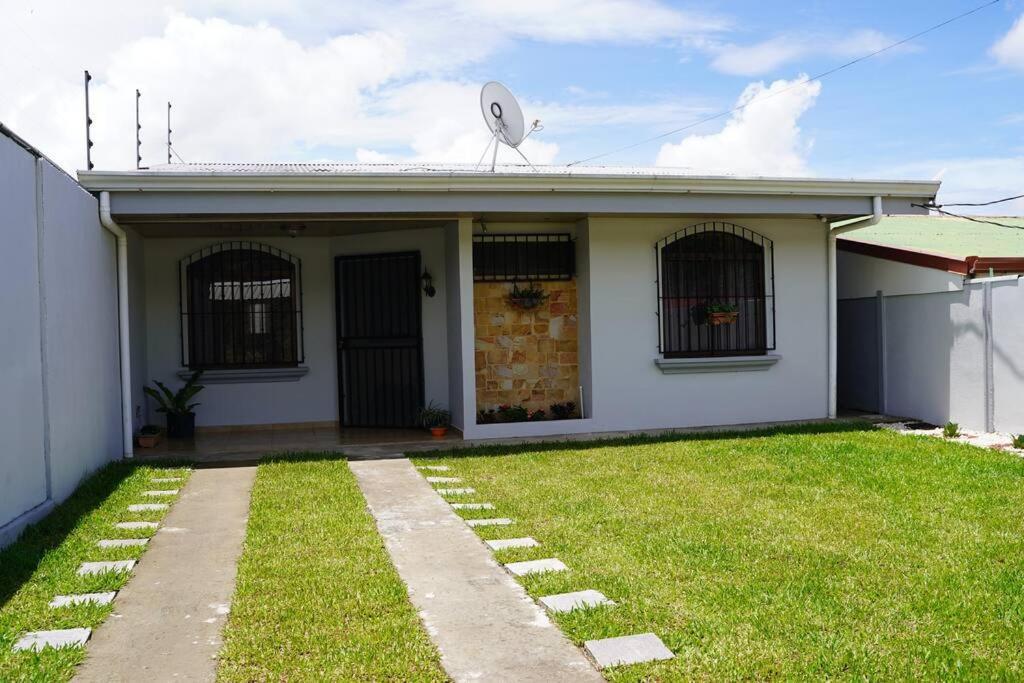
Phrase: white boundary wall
{"type": "Point", "coordinates": [60, 408]}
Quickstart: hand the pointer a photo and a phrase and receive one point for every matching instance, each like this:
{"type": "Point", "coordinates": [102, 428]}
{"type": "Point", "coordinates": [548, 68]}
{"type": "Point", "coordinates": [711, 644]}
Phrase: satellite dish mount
{"type": "Point", "coordinates": [504, 119]}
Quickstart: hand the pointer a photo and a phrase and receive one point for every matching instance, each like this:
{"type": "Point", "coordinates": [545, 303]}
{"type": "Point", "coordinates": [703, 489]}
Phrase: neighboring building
{"type": "Point", "coordinates": [300, 289]}
{"type": "Point", "coordinates": [931, 320]}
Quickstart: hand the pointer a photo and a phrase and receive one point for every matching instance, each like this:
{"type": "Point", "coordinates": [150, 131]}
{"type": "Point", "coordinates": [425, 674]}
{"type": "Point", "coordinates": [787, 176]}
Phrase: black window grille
{"type": "Point", "coordinates": [241, 307]}
{"type": "Point", "coordinates": [716, 292]}
{"type": "Point", "coordinates": [523, 257]}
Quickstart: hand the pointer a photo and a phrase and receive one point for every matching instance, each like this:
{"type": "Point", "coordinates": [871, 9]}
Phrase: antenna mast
{"type": "Point", "coordinates": [88, 124]}
{"type": "Point", "coordinates": [138, 132]}
{"type": "Point", "coordinates": [168, 132]}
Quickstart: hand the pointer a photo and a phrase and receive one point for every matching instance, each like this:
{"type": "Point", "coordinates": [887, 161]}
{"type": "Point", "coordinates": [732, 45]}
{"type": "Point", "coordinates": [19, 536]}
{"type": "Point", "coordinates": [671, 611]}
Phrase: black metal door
{"type": "Point", "coordinates": [380, 340]}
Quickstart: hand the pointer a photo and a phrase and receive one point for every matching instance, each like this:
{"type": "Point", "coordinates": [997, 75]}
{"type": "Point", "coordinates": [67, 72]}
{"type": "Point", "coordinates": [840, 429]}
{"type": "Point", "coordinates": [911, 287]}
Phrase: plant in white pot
{"type": "Point", "coordinates": [181, 420]}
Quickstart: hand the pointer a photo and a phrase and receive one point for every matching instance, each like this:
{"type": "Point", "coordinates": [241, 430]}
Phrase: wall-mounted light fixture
{"type": "Point", "coordinates": [293, 229]}
{"type": "Point", "coordinates": [428, 283]}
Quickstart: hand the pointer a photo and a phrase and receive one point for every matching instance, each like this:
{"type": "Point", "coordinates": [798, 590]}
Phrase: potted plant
{"type": "Point", "coordinates": [436, 419]}
{"type": "Point", "coordinates": [526, 299]}
{"type": "Point", "coordinates": [149, 436]}
{"type": "Point", "coordinates": [181, 421]}
{"type": "Point", "coordinates": [722, 314]}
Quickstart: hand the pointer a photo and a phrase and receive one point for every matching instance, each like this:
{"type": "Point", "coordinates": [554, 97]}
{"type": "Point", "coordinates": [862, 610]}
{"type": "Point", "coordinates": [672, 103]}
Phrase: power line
{"type": "Point", "coordinates": [994, 201]}
{"type": "Point", "coordinates": [822, 75]}
{"type": "Point", "coordinates": [933, 207]}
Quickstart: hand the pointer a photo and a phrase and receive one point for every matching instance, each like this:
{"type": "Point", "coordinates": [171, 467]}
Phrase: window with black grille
{"type": "Point", "coordinates": [716, 292]}
{"type": "Point", "coordinates": [241, 307]}
{"type": "Point", "coordinates": [523, 257]}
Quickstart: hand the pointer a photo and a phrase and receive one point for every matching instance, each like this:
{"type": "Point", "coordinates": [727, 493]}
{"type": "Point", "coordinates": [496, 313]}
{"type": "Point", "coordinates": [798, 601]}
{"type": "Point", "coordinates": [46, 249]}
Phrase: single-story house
{"type": "Point", "coordinates": [931, 320]}
{"type": "Point", "coordinates": [354, 294]}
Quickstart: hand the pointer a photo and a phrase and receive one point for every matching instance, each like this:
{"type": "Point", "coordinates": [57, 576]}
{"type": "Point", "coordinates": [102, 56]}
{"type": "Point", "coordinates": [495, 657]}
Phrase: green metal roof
{"type": "Point", "coordinates": [954, 237]}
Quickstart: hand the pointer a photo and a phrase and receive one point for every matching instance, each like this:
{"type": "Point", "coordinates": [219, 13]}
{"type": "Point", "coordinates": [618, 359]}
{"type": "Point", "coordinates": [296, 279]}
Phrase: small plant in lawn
{"type": "Point", "coordinates": [1018, 441]}
{"type": "Point", "coordinates": [951, 430]}
{"type": "Point", "coordinates": [435, 418]}
{"type": "Point", "coordinates": [181, 420]}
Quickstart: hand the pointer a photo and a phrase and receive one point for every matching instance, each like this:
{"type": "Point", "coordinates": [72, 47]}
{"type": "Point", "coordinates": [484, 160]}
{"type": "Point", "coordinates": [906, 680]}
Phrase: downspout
{"type": "Point", "coordinates": [127, 428]}
{"type": "Point", "coordinates": [833, 304]}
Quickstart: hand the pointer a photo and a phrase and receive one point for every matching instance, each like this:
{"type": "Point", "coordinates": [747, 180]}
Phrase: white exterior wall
{"type": "Point", "coordinates": [60, 411]}
{"type": "Point", "coordinates": [1008, 354]}
{"type": "Point", "coordinates": [860, 276]}
{"type": "Point", "coordinates": [313, 397]}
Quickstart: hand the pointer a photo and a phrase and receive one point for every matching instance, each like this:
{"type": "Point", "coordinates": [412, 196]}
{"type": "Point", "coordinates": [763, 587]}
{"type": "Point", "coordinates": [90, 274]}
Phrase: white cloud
{"type": "Point", "coordinates": [761, 139]}
{"type": "Point", "coordinates": [968, 179]}
{"type": "Point", "coordinates": [1009, 50]}
{"type": "Point", "coordinates": [774, 53]}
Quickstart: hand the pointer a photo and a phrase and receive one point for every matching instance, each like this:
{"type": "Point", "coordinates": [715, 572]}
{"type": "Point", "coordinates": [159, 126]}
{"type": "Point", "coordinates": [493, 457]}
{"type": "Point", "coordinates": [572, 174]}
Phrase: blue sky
{"type": "Point", "coordinates": [340, 80]}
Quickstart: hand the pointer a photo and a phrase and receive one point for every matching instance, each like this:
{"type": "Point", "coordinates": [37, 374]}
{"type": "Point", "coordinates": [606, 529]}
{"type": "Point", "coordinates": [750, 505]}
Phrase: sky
{"type": "Point", "coordinates": [350, 80]}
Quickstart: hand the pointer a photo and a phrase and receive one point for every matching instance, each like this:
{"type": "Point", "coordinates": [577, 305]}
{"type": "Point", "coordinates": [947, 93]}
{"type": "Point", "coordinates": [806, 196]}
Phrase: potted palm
{"type": "Point", "coordinates": [436, 419]}
{"type": "Point", "coordinates": [722, 314]}
{"type": "Point", "coordinates": [181, 421]}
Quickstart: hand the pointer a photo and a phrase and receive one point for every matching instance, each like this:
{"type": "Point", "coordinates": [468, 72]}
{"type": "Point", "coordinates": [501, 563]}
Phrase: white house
{"type": "Point", "coordinates": [353, 294]}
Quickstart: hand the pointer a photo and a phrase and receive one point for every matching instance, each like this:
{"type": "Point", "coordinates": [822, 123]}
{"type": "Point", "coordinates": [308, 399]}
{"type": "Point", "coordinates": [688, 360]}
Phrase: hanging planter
{"type": "Point", "coordinates": [526, 299]}
{"type": "Point", "coordinates": [722, 314]}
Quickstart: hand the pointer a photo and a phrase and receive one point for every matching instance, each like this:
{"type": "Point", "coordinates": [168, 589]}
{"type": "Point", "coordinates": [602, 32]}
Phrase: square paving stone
{"type": "Point", "coordinates": [455, 492]}
{"type": "Point", "coordinates": [645, 647]}
{"type": "Point", "coordinates": [68, 637]}
{"type": "Point", "coordinates": [550, 564]}
{"type": "Point", "coordinates": [164, 480]}
{"type": "Point", "coordinates": [122, 542]}
{"type": "Point", "coordinates": [434, 468]}
{"type": "Point", "coordinates": [137, 525]}
{"type": "Point", "coordinates": [142, 507]}
{"type": "Point", "coordinates": [167, 492]}
{"type": "Point", "coordinates": [505, 543]}
{"type": "Point", "coordinates": [567, 602]}
{"type": "Point", "coordinates": [444, 480]}
{"type": "Point", "coordinates": [83, 598]}
{"type": "Point", "coordinates": [497, 521]}
{"type": "Point", "coordinates": [87, 568]}
{"type": "Point", "coordinates": [472, 506]}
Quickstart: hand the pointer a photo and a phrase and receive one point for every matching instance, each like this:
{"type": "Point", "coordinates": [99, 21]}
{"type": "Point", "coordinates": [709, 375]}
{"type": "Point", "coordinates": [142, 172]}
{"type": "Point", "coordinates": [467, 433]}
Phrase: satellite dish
{"type": "Point", "coordinates": [502, 114]}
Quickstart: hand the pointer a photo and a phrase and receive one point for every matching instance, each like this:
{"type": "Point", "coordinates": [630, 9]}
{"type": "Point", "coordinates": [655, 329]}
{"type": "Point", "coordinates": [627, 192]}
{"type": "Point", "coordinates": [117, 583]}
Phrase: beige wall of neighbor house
{"type": "Point", "coordinates": [314, 396]}
{"type": "Point", "coordinates": [60, 415]}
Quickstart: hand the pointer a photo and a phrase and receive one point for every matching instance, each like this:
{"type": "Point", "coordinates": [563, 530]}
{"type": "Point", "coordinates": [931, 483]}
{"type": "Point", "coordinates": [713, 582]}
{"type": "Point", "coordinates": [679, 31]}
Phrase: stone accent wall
{"type": "Point", "coordinates": [527, 358]}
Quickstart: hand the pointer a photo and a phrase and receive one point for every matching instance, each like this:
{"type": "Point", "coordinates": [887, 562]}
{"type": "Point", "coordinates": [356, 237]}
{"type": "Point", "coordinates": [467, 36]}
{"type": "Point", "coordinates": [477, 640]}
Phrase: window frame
{"type": "Point", "coordinates": [767, 300]}
{"type": "Point", "coordinates": [185, 317]}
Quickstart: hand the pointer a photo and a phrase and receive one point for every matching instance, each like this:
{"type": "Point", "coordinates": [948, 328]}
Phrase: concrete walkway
{"type": "Point", "coordinates": [167, 621]}
{"type": "Point", "coordinates": [484, 624]}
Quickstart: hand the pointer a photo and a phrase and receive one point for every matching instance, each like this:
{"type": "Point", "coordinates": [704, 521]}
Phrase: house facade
{"type": "Point", "coordinates": [353, 295]}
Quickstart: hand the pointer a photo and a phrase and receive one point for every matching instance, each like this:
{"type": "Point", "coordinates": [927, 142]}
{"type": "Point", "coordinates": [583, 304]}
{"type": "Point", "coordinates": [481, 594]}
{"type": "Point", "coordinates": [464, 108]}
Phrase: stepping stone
{"type": "Point", "coordinates": [536, 566]}
{"type": "Point", "coordinates": [455, 492]}
{"type": "Point", "coordinates": [497, 521]}
{"type": "Point", "coordinates": [122, 542]}
{"type": "Point", "coordinates": [165, 480]}
{"type": "Point", "coordinates": [567, 602]}
{"type": "Point", "coordinates": [88, 568]}
{"type": "Point", "coordinates": [68, 637]}
{"type": "Point", "coordinates": [434, 468]}
{"type": "Point", "coordinates": [472, 506]}
{"type": "Point", "coordinates": [83, 598]}
{"type": "Point", "coordinates": [137, 525]}
{"type": "Point", "coordinates": [444, 480]}
{"type": "Point", "coordinates": [505, 543]}
{"type": "Point", "coordinates": [645, 647]}
{"type": "Point", "coordinates": [168, 492]}
{"type": "Point", "coordinates": [143, 507]}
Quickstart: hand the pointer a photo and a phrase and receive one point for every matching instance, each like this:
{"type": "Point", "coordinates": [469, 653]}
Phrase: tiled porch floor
{"type": "Point", "coordinates": [249, 445]}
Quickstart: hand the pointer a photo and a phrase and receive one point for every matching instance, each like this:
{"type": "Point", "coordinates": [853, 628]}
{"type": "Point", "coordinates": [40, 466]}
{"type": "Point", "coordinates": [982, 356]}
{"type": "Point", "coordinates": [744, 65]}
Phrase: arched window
{"type": "Point", "coordinates": [715, 292]}
{"type": "Point", "coordinates": [241, 307]}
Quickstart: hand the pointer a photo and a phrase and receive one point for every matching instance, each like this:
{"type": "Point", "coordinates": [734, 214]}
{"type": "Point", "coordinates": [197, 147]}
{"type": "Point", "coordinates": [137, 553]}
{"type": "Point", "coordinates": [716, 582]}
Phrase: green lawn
{"type": "Point", "coordinates": [807, 553]}
{"type": "Point", "coordinates": [316, 596]}
{"type": "Point", "coordinates": [44, 561]}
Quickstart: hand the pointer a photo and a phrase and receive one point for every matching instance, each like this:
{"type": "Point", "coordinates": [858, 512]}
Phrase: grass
{"type": "Point", "coordinates": [800, 554]}
{"type": "Point", "coordinates": [43, 563]}
{"type": "Point", "coordinates": [316, 596]}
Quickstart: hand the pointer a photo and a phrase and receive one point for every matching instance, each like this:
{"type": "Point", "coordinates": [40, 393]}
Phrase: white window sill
{"type": "Point", "coordinates": [248, 375]}
{"type": "Point", "coordinates": [683, 366]}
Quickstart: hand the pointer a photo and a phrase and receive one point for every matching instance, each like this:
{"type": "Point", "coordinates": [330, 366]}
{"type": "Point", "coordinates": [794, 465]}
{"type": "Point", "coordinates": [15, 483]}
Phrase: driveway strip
{"type": "Point", "coordinates": [484, 624]}
{"type": "Point", "coordinates": [167, 620]}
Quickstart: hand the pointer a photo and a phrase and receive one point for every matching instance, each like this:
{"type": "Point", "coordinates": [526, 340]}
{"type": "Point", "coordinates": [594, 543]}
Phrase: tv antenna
{"type": "Point", "coordinates": [168, 132]}
{"type": "Point", "coordinates": [88, 126]}
{"type": "Point", "coordinates": [504, 118]}
{"type": "Point", "coordinates": [138, 132]}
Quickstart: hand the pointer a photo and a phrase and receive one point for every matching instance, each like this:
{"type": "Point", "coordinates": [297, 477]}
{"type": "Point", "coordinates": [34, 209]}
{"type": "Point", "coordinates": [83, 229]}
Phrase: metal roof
{"type": "Point", "coordinates": [945, 236]}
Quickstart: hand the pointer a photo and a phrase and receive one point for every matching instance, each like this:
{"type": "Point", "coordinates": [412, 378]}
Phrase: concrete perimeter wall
{"type": "Point", "coordinates": [60, 408]}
